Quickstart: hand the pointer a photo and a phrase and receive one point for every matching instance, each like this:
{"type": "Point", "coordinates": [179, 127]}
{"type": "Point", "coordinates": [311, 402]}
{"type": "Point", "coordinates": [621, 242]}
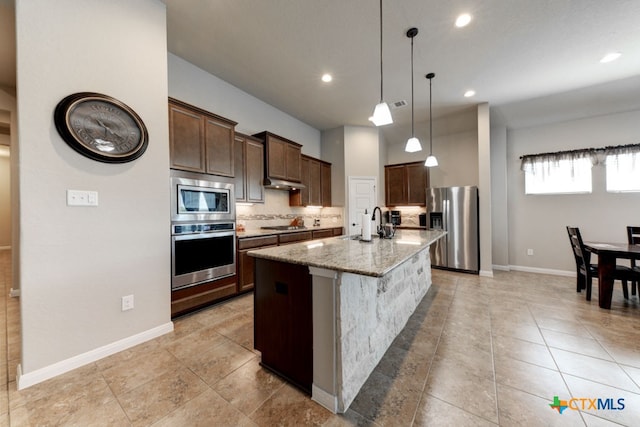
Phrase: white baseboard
{"type": "Point", "coordinates": [543, 270]}
{"type": "Point", "coordinates": [501, 267]}
{"type": "Point", "coordinates": [42, 374]}
{"type": "Point", "coordinates": [325, 399]}
{"type": "Point", "coordinates": [486, 273]}
{"type": "Point", "coordinates": [14, 293]}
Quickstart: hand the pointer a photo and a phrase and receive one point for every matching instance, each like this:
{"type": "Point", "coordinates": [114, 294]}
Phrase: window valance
{"type": "Point", "coordinates": [544, 162]}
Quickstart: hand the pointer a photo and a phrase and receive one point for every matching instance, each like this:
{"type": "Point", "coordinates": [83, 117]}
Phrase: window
{"type": "Point", "coordinates": [623, 170]}
{"type": "Point", "coordinates": [558, 173]}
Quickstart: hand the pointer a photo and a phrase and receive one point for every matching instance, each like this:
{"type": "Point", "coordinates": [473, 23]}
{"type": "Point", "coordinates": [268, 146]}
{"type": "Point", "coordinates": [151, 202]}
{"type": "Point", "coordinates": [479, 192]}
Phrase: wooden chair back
{"type": "Point", "coordinates": [581, 255]}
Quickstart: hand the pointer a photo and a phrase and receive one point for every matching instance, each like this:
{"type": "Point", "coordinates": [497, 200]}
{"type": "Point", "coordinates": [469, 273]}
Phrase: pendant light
{"type": "Point", "coordinates": [431, 160]}
{"type": "Point", "coordinates": [381, 113]}
{"type": "Point", "coordinates": [413, 143]}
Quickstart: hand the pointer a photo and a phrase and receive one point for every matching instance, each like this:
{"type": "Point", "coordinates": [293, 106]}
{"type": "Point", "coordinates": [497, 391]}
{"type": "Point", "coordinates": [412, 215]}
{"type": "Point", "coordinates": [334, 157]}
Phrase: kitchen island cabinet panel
{"type": "Point", "coordinates": [283, 328]}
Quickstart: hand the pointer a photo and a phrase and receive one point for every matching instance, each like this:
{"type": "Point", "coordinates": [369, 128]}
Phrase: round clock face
{"type": "Point", "coordinates": [101, 128]}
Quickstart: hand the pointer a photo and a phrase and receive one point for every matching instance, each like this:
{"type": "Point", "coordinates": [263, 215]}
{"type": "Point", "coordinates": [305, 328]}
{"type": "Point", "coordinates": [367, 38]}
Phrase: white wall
{"type": "Point", "coordinates": [5, 193]}
{"type": "Point", "coordinates": [499, 208]}
{"type": "Point", "coordinates": [484, 189]}
{"type": "Point", "coordinates": [77, 263]}
{"type": "Point", "coordinates": [538, 222]}
{"type": "Point", "coordinates": [362, 156]}
{"type": "Point", "coordinates": [195, 86]}
{"type": "Point", "coordinates": [333, 151]}
{"type": "Point", "coordinates": [455, 145]}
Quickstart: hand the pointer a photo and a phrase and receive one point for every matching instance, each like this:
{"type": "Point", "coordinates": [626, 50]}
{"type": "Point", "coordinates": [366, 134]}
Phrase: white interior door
{"type": "Point", "coordinates": [362, 195]}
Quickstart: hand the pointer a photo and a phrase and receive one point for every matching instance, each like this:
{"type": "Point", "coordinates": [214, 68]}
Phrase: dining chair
{"type": "Point", "coordinates": [633, 237]}
{"type": "Point", "coordinates": [587, 271]}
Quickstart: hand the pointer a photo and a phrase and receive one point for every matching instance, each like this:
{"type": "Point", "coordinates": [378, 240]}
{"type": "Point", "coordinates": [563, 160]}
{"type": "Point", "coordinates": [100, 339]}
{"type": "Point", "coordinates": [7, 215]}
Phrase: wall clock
{"type": "Point", "coordinates": [101, 127]}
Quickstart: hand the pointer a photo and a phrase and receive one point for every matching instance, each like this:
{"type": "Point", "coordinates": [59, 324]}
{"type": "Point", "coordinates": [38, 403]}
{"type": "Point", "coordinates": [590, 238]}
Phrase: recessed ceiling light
{"type": "Point", "coordinates": [327, 78]}
{"type": "Point", "coordinates": [612, 56]}
{"type": "Point", "coordinates": [469, 93]}
{"type": "Point", "coordinates": [463, 20]}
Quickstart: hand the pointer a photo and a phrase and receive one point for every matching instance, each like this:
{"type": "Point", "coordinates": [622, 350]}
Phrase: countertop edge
{"type": "Point", "coordinates": [268, 254]}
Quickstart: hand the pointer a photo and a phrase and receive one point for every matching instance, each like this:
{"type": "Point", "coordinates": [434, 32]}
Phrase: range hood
{"type": "Point", "coordinates": [281, 184]}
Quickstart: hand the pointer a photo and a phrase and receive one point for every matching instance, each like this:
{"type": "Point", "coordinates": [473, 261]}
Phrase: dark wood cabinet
{"type": "Point", "coordinates": [200, 141]}
{"type": "Point", "coordinates": [316, 177]}
{"type": "Point", "coordinates": [325, 183]}
{"type": "Point", "coordinates": [245, 263]}
{"type": "Point", "coordinates": [249, 169]}
{"type": "Point", "coordinates": [283, 158]}
{"type": "Point", "coordinates": [321, 234]}
{"type": "Point", "coordinates": [405, 184]}
{"type": "Point", "coordinates": [283, 323]}
{"type": "Point", "coordinates": [296, 237]}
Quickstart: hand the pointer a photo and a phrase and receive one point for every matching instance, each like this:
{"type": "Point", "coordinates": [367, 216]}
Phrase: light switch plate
{"type": "Point", "coordinates": [82, 198]}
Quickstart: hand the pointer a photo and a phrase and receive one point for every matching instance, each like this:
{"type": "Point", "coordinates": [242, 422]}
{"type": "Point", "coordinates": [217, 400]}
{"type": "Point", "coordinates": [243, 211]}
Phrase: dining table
{"type": "Point", "coordinates": [608, 253]}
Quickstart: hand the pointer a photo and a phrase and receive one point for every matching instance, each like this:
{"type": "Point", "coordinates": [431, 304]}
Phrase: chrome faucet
{"type": "Point", "coordinates": [379, 229]}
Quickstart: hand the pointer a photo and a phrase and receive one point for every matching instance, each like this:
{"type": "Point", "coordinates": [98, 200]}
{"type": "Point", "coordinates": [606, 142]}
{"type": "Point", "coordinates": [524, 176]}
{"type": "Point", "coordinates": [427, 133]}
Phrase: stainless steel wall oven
{"type": "Point", "coordinates": [202, 252]}
{"type": "Point", "coordinates": [203, 229]}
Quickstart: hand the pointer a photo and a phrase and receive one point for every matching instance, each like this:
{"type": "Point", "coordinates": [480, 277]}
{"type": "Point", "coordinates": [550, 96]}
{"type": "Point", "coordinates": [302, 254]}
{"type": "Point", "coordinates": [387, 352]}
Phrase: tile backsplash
{"type": "Point", "coordinates": [276, 211]}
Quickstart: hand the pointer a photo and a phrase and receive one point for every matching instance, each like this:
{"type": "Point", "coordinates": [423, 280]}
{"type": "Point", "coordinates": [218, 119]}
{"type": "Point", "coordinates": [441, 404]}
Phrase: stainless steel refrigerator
{"type": "Point", "coordinates": [455, 210]}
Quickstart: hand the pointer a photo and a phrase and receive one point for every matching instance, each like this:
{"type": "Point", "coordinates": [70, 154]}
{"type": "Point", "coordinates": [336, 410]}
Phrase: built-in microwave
{"type": "Point", "coordinates": [199, 197]}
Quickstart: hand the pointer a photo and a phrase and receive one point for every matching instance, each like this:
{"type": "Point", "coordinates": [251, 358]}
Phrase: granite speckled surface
{"type": "Point", "coordinates": [376, 258]}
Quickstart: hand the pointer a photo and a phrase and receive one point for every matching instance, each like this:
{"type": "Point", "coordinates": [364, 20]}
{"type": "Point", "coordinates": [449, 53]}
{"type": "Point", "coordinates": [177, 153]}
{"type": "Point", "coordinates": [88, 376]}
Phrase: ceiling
{"type": "Point", "coordinates": [518, 55]}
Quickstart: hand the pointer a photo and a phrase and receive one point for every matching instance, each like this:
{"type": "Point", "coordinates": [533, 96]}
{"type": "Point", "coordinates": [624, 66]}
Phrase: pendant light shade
{"type": "Point", "coordinates": [413, 143]}
{"type": "Point", "coordinates": [431, 160]}
{"type": "Point", "coordinates": [381, 114]}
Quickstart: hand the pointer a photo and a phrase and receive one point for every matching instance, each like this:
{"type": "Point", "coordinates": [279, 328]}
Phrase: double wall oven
{"type": "Point", "coordinates": [203, 229]}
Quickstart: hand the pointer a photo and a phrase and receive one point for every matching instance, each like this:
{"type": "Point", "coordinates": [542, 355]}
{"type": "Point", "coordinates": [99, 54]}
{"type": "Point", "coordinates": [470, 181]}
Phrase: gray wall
{"type": "Point", "coordinates": [538, 221]}
{"type": "Point", "coordinates": [191, 84]}
{"type": "Point", "coordinates": [77, 263]}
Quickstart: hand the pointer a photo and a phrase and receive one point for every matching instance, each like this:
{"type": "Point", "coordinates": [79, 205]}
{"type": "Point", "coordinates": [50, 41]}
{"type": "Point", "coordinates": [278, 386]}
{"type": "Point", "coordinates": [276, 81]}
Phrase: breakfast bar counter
{"type": "Point", "coordinates": [327, 310]}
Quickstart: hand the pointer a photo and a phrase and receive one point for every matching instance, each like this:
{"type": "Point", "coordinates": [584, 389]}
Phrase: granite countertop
{"type": "Point", "coordinates": [269, 232]}
{"type": "Point", "coordinates": [375, 258]}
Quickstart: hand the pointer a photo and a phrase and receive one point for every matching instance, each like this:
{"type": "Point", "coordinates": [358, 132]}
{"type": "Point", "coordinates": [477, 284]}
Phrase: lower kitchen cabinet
{"type": "Point", "coordinates": [245, 264]}
{"type": "Point", "coordinates": [296, 237]}
{"type": "Point", "coordinates": [194, 297]}
{"type": "Point", "coordinates": [283, 320]}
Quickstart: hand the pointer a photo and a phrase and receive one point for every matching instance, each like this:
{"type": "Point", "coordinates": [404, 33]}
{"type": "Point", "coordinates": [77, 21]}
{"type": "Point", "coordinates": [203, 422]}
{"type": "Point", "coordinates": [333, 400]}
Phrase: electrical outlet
{"type": "Point", "coordinates": [127, 303]}
{"type": "Point", "coordinates": [530, 252]}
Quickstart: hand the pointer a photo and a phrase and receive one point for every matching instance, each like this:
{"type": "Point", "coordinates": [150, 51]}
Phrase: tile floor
{"type": "Point", "coordinates": [477, 352]}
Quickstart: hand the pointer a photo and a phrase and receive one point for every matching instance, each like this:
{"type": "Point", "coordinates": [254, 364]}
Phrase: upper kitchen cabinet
{"type": "Point", "coordinates": [405, 184]}
{"type": "Point", "coordinates": [283, 158]}
{"type": "Point", "coordinates": [200, 141]}
{"type": "Point", "coordinates": [316, 178]}
{"type": "Point", "coordinates": [249, 168]}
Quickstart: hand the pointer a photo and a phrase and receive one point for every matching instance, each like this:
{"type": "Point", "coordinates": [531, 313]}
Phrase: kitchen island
{"type": "Point", "coordinates": [327, 310]}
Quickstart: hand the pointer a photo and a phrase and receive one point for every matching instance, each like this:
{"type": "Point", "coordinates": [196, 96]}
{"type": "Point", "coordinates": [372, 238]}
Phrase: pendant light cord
{"type": "Point", "coordinates": [381, 72]}
{"type": "Point", "coordinates": [412, 113]}
{"type": "Point", "coordinates": [430, 123]}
